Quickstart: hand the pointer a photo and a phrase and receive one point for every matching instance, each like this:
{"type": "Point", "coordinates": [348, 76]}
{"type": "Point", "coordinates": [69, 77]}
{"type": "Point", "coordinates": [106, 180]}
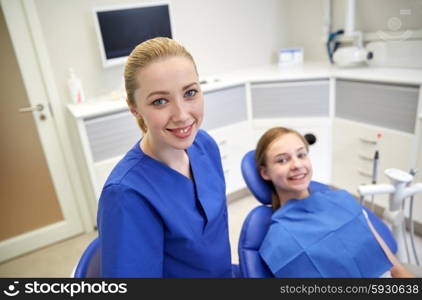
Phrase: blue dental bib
{"type": "Point", "coordinates": [324, 235]}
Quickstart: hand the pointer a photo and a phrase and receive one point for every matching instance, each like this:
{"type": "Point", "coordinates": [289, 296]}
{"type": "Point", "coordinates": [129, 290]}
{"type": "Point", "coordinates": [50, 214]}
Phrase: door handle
{"type": "Point", "coordinates": [38, 107]}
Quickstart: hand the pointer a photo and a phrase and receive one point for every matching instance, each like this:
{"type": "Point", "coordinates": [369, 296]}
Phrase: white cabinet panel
{"type": "Point", "coordinates": [233, 142]}
{"type": "Point", "coordinates": [224, 107]}
{"type": "Point", "coordinates": [102, 169]}
{"type": "Point", "coordinates": [111, 135]}
{"type": "Point", "coordinates": [385, 105]}
{"type": "Point", "coordinates": [354, 148]}
{"type": "Point", "coordinates": [290, 99]}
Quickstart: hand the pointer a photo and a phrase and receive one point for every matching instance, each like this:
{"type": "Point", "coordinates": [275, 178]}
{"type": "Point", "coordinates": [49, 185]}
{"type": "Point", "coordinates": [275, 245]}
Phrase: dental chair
{"type": "Point", "coordinates": [257, 222]}
{"type": "Point", "coordinates": [89, 263]}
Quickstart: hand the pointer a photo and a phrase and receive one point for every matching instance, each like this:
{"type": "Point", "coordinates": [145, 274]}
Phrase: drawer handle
{"type": "Point", "coordinates": [368, 141]}
{"type": "Point", "coordinates": [365, 157]}
{"type": "Point", "coordinates": [364, 173]}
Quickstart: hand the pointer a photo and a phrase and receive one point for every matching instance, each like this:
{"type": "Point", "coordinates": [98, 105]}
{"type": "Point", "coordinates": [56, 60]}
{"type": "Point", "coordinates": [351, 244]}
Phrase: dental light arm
{"type": "Point", "coordinates": [414, 189]}
{"type": "Point", "coordinates": [375, 189]}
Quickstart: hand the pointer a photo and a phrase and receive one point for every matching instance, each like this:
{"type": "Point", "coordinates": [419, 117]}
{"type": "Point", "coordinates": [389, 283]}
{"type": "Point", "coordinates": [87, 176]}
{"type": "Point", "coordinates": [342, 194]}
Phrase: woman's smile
{"type": "Point", "coordinates": [182, 132]}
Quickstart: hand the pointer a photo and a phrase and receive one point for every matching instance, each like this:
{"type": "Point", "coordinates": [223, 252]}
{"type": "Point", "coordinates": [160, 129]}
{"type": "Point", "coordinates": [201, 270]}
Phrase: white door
{"type": "Point", "coordinates": [37, 204]}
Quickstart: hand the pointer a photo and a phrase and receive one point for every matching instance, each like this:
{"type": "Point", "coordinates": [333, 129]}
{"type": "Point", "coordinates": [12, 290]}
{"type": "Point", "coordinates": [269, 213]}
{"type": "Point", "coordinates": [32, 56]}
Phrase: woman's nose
{"type": "Point", "coordinates": [180, 111]}
{"type": "Point", "coordinates": [296, 163]}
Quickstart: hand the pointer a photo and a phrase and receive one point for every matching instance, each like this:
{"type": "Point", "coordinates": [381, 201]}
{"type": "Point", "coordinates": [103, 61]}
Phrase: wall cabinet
{"type": "Point", "coordinates": [289, 99]}
{"type": "Point", "coordinates": [226, 120]}
{"type": "Point", "coordinates": [354, 148]}
{"type": "Point", "coordinates": [234, 141]}
{"type": "Point", "coordinates": [369, 117]}
{"type": "Point", "coordinates": [104, 139]}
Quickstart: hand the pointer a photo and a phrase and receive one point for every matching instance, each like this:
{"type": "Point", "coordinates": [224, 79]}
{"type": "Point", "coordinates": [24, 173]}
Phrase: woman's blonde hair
{"type": "Point", "coordinates": [262, 147]}
{"type": "Point", "coordinates": [143, 55]}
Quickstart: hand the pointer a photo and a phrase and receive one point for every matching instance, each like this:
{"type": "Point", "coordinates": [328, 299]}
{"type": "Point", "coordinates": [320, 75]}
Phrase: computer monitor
{"type": "Point", "coordinates": [120, 28]}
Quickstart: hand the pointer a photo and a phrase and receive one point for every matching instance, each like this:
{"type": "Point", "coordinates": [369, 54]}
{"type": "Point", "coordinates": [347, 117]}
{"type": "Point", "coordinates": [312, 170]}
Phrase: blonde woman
{"type": "Point", "coordinates": [162, 211]}
{"type": "Point", "coordinates": [315, 233]}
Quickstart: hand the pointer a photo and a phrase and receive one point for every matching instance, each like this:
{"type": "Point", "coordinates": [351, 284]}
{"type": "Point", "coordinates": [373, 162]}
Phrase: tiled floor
{"type": "Point", "coordinates": [58, 260]}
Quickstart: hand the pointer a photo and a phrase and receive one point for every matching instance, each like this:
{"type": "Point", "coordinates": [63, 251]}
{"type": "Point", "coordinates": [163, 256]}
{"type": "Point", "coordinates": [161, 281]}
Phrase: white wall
{"type": "Point", "coordinates": [305, 20]}
{"type": "Point", "coordinates": [222, 35]}
{"type": "Point", "coordinates": [304, 26]}
{"type": "Point", "coordinates": [374, 15]}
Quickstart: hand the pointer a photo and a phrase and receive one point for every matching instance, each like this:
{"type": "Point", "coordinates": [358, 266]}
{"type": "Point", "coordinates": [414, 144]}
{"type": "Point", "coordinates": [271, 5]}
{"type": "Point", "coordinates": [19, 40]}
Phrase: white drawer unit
{"type": "Point", "coordinates": [111, 135]}
{"type": "Point", "coordinates": [385, 105]}
{"type": "Point", "coordinates": [353, 153]}
{"type": "Point", "coordinates": [233, 141]}
{"type": "Point", "coordinates": [307, 98]}
{"type": "Point", "coordinates": [105, 139]}
{"type": "Point", "coordinates": [372, 116]}
{"type": "Point", "coordinates": [223, 107]}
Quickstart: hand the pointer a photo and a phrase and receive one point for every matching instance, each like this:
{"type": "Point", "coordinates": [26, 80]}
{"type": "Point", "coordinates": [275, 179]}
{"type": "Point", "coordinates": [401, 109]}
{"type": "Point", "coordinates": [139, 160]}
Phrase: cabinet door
{"type": "Point", "coordinates": [233, 142]}
{"type": "Point", "coordinates": [111, 135]}
{"type": "Point", "coordinates": [108, 138]}
{"type": "Point", "coordinates": [372, 116]}
{"type": "Point", "coordinates": [384, 105]}
{"type": "Point", "coordinates": [290, 99]}
{"type": "Point", "coordinates": [225, 119]}
{"type": "Point", "coordinates": [353, 153]}
{"type": "Point", "coordinates": [345, 155]}
{"type": "Point", "coordinates": [224, 107]}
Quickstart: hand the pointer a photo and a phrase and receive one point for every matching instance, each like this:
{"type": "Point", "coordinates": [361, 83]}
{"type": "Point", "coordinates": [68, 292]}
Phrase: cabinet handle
{"type": "Point", "coordinates": [364, 173]}
{"type": "Point", "coordinates": [365, 157]}
{"type": "Point", "coordinates": [224, 157]}
{"type": "Point", "coordinates": [226, 171]}
{"type": "Point", "coordinates": [368, 141]}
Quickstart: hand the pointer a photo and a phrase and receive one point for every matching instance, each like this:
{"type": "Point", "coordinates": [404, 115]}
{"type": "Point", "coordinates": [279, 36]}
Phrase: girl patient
{"type": "Point", "coordinates": [315, 233]}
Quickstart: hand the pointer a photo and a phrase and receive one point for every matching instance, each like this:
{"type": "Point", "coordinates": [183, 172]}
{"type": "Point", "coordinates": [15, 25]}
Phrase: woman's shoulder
{"type": "Point", "coordinates": [204, 136]}
{"type": "Point", "coordinates": [204, 139]}
{"type": "Point", "coordinates": [124, 169]}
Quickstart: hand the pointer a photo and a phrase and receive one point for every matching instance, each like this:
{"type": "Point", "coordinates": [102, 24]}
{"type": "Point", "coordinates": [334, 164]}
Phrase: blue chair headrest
{"type": "Point", "coordinates": [260, 188]}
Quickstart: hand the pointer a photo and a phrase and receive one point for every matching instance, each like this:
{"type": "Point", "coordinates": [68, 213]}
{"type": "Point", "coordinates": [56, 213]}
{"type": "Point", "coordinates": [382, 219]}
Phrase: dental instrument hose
{"type": "Point", "coordinates": [374, 175]}
{"type": "Point", "coordinates": [332, 43]}
{"type": "Point", "coordinates": [412, 227]}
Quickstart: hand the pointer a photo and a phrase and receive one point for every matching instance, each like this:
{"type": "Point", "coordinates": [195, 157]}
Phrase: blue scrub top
{"type": "Point", "coordinates": [155, 222]}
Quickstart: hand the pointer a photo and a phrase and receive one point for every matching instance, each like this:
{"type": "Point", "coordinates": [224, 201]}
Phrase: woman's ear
{"type": "Point", "coordinates": [264, 173]}
{"type": "Point", "coordinates": [133, 109]}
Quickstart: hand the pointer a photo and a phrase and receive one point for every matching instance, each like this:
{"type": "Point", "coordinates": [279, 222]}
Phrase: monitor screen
{"type": "Point", "coordinates": [119, 30]}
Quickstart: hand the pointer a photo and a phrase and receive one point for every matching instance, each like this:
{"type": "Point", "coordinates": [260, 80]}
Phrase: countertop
{"type": "Point", "coordinates": [307, 71]}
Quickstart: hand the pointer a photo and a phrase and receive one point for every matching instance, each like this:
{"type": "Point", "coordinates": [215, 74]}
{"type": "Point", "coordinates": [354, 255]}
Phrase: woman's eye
{"type": "Point", "coordinates": [159, 102]}
{"type": "Point", "coordinates": [302, 155]}
{"type": "Point", "coordinates": [191, 93]}
{"type": "Point", "coordinates": [282, 160]}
